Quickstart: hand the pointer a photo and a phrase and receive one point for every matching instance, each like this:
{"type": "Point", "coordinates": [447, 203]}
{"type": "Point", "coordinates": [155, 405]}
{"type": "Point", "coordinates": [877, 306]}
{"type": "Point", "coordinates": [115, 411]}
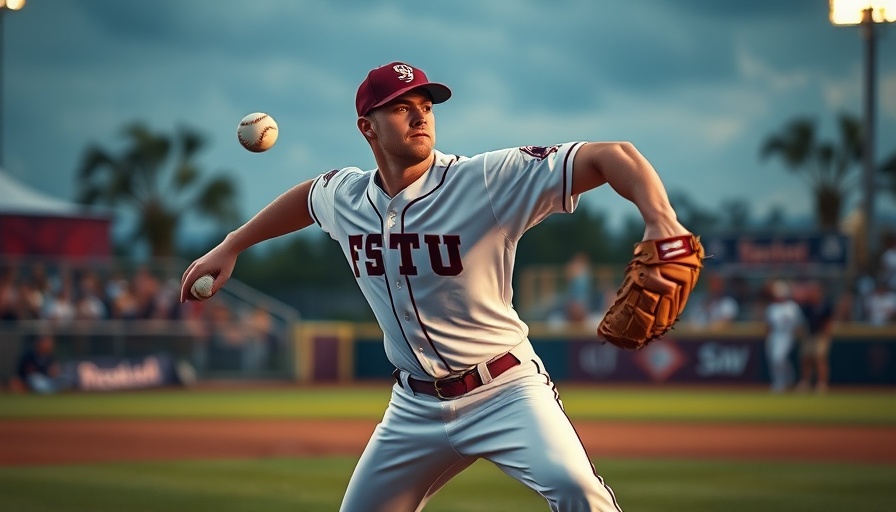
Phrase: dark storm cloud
{"type": "Point", "coordinates": [696, 84]}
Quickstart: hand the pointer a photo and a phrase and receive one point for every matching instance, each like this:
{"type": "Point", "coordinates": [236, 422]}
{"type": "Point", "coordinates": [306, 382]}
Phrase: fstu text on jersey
{"type": "Point", "coordinates": [371, 245]}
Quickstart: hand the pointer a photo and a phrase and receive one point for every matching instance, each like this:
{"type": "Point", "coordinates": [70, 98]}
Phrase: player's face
{"type": "Point", "coordinates": [405, 128]}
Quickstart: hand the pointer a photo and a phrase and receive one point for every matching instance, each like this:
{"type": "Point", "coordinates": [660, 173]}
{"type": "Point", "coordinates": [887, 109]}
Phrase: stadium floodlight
{"type": "Point", "coordinates": [867, 14]}
{"type": "Point", "coordinates": [854, 12]}
{"type": "Point", "coordinates": [12, 5]}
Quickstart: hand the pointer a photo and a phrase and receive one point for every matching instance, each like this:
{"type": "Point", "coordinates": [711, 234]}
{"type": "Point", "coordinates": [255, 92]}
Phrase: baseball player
{"type": "Point", "coordinates": [431, 239]}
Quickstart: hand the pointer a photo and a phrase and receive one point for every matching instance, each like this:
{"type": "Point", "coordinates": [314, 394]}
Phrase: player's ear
{"type": "Point", "coordinates": [366, 127]}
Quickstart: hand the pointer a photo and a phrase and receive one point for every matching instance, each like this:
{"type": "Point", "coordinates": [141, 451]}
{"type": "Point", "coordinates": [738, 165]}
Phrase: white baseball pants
{"type": "Point", "coordinates": [516, 421]}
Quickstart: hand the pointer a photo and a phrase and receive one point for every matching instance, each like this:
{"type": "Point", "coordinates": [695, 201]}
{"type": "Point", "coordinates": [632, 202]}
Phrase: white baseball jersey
{"type": "Point", "coordinates": [436, 261]}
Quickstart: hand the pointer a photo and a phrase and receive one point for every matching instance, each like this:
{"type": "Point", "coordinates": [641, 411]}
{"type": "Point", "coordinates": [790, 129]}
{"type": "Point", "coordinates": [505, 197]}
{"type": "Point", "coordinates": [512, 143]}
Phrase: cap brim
{"type": "Point", "coordinates": [439, 93]}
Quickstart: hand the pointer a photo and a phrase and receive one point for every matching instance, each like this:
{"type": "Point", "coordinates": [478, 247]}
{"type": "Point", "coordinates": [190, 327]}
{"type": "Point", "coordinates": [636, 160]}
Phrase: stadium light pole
{"type": "Point", "coordinates": [11, 5]}
{"type": "Point", "coordinates": [867, 14]}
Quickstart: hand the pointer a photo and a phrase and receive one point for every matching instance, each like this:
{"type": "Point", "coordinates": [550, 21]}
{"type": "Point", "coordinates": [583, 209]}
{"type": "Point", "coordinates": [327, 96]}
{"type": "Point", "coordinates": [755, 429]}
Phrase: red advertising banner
{"type": "Point", "coordinates": [27, 235]}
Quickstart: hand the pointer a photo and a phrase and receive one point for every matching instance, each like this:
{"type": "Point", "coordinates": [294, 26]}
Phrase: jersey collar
{"type": "Point", "coordinates": [425, 184]}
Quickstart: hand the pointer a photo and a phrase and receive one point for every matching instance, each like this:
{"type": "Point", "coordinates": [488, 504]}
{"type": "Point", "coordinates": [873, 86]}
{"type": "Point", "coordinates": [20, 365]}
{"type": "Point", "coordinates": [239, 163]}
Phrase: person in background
{"type": "Point", "coordinates": [60, 309]}
{"type": "Point", "coordinates": [783, 319]}
{"type": "Point", "coordinates": [818, 311]}
{"type": "Point", "coordinates": [578, 290]}
{"type": "Point", "coordinates": [8, 297]}
{"type": "Point", "coordinates": [718, 309]}
{"type": "Point", "coordinates": [89, 303]}
{"type": "Point", "coordinates": [262, 335]}
{"type": "Point", "coordinates": [887, 262]}
{"type": "Point", "coordinates": [880, 304]}
{"type": "Point", "coordinates": [38, 369]}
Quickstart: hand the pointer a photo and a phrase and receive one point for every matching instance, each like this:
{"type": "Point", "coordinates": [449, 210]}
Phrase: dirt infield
{"type": "Point", "coordinates": [31, 442]}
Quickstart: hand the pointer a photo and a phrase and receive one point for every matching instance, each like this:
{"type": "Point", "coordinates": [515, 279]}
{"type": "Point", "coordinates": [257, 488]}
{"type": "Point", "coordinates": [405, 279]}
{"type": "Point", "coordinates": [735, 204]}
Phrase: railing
{"type": "Point", "coordinates": [229, 349]}
{"type": "Point", "coordinates": [241, 332]}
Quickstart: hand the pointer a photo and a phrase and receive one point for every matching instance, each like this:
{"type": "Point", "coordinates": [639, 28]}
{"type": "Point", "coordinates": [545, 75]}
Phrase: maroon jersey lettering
{"type": "Point", "coordinates": [405, 242]}
{"type": "Point", "coordinates": [452, 245]}
{"type": "Point", "coordinates": [374, 250]}
{"type": "Point", "coordinates": [355, 242]}
{"type": "Point", "coordinates": [373, 253]}
{"type": "Point", "coordinates": [369, 249]}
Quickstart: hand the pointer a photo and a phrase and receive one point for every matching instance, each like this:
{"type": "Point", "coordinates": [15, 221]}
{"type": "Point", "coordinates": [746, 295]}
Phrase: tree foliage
{"type": "Point", "coordinates": [559, 236]}
{"type": "Point", "coordinates": [157, 178]}
{"type": "Point", "coordinates": [828, 166]}
{"type": "Point", "coordinates": [313, 261]}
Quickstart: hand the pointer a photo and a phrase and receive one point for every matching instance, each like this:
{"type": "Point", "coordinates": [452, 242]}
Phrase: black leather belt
{"type": "Point", "coordinates": [457, 385]}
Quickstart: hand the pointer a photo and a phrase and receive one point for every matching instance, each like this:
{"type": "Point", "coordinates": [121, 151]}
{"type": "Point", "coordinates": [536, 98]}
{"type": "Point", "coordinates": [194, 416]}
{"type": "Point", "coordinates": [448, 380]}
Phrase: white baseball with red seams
{"type": "Point", "coordinates": [257, 132]}
{"type": "Point", "coordinates": [435, 262]}
{"type": "Point", "coordinates": [202, 288]}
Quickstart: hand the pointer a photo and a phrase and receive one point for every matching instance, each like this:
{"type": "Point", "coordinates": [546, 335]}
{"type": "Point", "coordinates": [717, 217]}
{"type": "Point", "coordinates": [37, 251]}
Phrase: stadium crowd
{"type": "Point", "coordinates": [66, 299]}
{"type": "Point", "coordinates": [63, 294]}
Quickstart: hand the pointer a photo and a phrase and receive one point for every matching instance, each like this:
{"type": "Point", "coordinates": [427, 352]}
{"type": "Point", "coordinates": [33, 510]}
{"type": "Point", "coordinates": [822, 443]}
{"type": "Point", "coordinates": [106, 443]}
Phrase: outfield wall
{"type": "Point", "coordinates": [860, 355]}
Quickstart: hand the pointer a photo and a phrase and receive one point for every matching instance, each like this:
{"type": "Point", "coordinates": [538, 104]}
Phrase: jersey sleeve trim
{"type": "Point", "coordinates": [568, 206]}
{"type": "Point", "coordinates": [311, 201]}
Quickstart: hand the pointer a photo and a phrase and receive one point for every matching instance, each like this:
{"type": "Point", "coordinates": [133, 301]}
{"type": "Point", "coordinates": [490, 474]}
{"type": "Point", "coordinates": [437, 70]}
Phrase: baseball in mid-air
{"type": "Point", "coordinates": [202, 287]}
{"type": "Point", "coordinates": [257, 132]}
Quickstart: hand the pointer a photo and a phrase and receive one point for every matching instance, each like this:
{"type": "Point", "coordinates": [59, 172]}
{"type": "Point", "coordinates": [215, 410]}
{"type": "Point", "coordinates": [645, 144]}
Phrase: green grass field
{"type": "Point", "coordinates": [368, 402]}
{"type": "Point", "coordinates": [316, 484]}
{"type": "Point", "coordinates": [311, 485]}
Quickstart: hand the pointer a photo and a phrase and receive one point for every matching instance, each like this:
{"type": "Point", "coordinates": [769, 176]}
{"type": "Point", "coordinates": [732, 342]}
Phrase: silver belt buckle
{"type": "Point", "coordinates": [437, 382]}
{"type": "Point", "coordinates": [446, 380]}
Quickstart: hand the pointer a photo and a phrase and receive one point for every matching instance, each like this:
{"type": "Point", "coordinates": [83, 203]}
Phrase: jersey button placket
{"type": "Point", "coordinates": [390, 218]}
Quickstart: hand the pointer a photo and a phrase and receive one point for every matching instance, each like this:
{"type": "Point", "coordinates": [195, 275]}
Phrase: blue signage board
{"type": "Point", "coordinates": [822, 252]}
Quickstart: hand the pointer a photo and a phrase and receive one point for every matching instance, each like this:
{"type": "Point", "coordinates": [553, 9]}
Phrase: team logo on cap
{"type": "Point", "coordinates": [405, 72]}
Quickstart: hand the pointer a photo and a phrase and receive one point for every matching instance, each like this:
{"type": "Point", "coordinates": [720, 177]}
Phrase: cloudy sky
{"type": "Point", "coordinates": [695, 84]}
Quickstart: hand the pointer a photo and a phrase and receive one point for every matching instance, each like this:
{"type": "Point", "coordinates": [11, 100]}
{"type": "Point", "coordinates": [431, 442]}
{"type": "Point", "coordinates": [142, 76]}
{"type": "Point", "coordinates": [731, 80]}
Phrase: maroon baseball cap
{"type": "Point", "coordinates": [388, 82]}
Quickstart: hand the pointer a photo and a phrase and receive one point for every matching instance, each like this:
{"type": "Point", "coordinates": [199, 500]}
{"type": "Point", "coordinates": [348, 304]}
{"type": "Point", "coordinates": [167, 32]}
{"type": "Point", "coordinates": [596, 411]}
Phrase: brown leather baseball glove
{"type": "Point", "coordinates": [658, 281]}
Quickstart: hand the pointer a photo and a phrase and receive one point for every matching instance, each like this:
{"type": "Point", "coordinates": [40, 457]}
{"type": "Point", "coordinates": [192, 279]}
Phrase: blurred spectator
{"type": "Point", "coordinates": [8, 296]}
{"type": "Point", "coordinates": [145, 287]}
{"type": "Point", "coordinates": [166, 305]}
{"type": "Point", "coordinates": [115, 285]}
{"type": "Point", "coordinates": [124, 302]}
{"type": "Point", "coordinates": [60, 309]}
{"type": "Point", "coordinates": [888, 261]}
{"type": "Point", "coordinates": [31, 300]}
{"type": "Point", "coordinates": [880, 304]}
{"type": "Point", "coordinates": [865, 286]}
{"type": "Point", "coordinates": [19, 300]}
{"type": "Point", "coordinates": [577, 301]}
{"type": "Point", "coordinates": [226, 339]}
{"type": "Point", "coordinates": [717, 309]}
{"type": "Point", "coordinates": [71, 297]}
{"type": "Point", "coordinates": [38, 370]}
{"type": "Point", "coordinates": [40, 278]}
{"type": "Point", "coordinates": [255, 346]}
{"type": "Point", "coordinates": [783, 319]}
{"type": "Point", "coordinates": [261, 339]}
{"type": "Point", "coordinates": [89, 304]}
{"type": "Point", "coordinates": [818, 311]}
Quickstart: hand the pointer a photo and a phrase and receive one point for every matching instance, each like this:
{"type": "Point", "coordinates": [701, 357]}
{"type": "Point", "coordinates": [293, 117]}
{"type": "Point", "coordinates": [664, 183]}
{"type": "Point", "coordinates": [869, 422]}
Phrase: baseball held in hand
{"type": "Point", "coordinates": [257, 132]}
{"type": "Point", "coordinates": [202, 287]}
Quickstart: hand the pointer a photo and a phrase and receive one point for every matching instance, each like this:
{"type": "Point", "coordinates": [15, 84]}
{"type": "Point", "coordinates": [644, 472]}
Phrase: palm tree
{"type": "Point", "coordinates": [888, 171]}
{"type": "Point", "coordinates": [156, 176]}
{"type": "Point", "coordinates": [828, 167]}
